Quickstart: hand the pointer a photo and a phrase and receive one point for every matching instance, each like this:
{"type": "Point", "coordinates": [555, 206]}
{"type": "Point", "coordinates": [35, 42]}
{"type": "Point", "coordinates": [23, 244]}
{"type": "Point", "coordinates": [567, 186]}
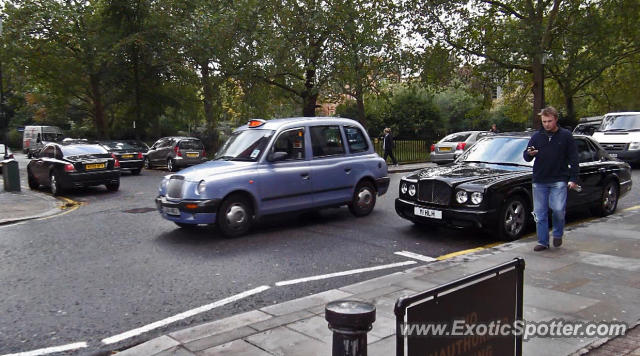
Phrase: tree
{"type": "Point", "coordinates": [514, 34]}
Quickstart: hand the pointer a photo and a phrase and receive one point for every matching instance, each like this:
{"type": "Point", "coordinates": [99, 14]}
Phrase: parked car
{"type": "Point", "coordinates": [130, 157]}
{"type": "Point", "coordinates": [63, 167]}
{"type": "Point", "coordinates": [619, 134]}
{"type": "Point", "coordinates": [588, 125]}
{"type": "Point", "coordinates": [489, 186]}
{"type": "Point", "coordinates": [276, 166]}
{"type": "Point", "coordinates": [453, 145]}
{"type": "Point", "coordinates": [139, 145]}
{"type": "Point", "coordinates": [5, 153]}
{"type": "Point", "coordinates": [175, 152]}
{"type": "Point", "coordinates": [34, 138]}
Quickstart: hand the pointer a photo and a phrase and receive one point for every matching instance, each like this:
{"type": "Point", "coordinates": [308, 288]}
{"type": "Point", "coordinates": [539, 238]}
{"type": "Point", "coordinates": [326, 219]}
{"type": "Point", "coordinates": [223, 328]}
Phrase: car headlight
{"type": "Point", "coordinates": [462, 196]}
{"type": "Point", "coordinates": [476, 198]}
{"type": "Point", "coordinates": [634, 146]}
{"type": "Point", "coordinates": [163, 185]}
{"type": "Point", "coordinates": [412, 190]}
{"type": "Point", "coordinates": [403, 188]}
{"type": "Point", "coordinates": [201, 188]}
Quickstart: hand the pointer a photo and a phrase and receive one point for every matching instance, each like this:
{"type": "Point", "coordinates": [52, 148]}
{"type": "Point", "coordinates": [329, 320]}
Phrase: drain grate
{"type": "Point", "coordinates": [139, 210]}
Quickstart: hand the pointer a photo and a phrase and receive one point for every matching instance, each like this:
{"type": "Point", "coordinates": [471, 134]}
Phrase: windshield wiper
{"type": "Point", "coordinates": [241, 159]}
{"type": "Point", "coordinates": [224, 158]}
{"type": "Point", "coordinates": [617, 130]}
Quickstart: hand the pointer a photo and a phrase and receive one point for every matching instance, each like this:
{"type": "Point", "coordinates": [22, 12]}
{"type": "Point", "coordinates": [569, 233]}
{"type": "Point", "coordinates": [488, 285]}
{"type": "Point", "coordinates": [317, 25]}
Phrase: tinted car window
{"type": "Point", "coordinates": [585, 153]}
{"type": "Point", "coordinates": [191, 145]}
{"type": "Point", "coordinates": [291, 142]}
{"type": "Point", "coordinates": [326, 141]}
{"type": "Point", "coordinates": [47, 152]}
{"type": "Point", "coordinates": [356, 139]}
{"type": "Point", "coordinates": [118, 146]}
{"type": "Point", "coordinates": [498, 150]}
{"type": "Point", "coordinates": [457, 137]}
{"type": "Point", "coordinates": [80, 150]}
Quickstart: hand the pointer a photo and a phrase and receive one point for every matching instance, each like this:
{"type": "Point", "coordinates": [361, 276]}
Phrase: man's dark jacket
{"type": "Point", "coordinates": [557, 157]}
{"type": "Point", "coordinates": [388, 142]}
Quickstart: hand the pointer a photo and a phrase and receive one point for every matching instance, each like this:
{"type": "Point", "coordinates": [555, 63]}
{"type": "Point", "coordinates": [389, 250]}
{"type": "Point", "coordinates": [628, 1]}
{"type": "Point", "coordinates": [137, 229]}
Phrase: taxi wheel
{"type": "Point", "coordinates": [513, 218]}
{"type": "Point", "coordinates": [609, 199]}
{"type": "Point", "coordinates": [170, 165]}
{"type": "Point", "coordinates": [113, 187]}
{"type": "Point", "coordinates": [54, 183]}
{"type": "Point", "coordinates": [364, 199]}
{"type": "Point", "coordinates": [235, 216]}
{"type": "Point", "coordinates": [147, 163]}
{"type": "Point", "coordinates": [33, 183]}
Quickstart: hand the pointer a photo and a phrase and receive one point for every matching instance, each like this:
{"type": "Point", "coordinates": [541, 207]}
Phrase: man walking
{"type": "Point", "coordinates": [554, 170]}
{"type": "Point", "coordinates": [387, 146]}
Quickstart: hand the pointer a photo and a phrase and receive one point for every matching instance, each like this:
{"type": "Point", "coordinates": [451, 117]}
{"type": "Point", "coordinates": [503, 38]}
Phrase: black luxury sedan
{"type": "Point", "coordinates": [489, 187]}
{"type": "Point", "coordinates": [130, 157]}
{"type": "Point", "coordinates": [72, 166]}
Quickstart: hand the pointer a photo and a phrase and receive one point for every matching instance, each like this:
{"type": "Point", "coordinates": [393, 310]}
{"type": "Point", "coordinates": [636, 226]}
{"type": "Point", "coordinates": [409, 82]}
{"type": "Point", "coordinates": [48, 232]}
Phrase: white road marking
{"type": "Point", "coordinates": [344, 273]}
{"type": "Point", "coordinates": [50, 350]}
{"type": "Point", "coordinates": [415, 256]}
{"type": "Point", "coordinates": [184, 315]}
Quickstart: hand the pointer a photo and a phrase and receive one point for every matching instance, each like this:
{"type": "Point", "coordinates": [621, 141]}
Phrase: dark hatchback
{"type": "Point", "coordinates": [130, 157]}
{"type": "Point", "coordinates": [63, 167]}
{"type": "Point", "coordinates": [489, 187]}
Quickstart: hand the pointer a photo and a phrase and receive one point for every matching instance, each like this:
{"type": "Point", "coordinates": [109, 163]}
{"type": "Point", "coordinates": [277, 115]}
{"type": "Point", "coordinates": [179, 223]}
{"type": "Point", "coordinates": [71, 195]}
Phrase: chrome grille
{"type": "Point", "coordinates": [434, 192]}
{"type": "Point", "coordinates": [174, 187]}
{"type": "Point", "coordinates": [614, 146]}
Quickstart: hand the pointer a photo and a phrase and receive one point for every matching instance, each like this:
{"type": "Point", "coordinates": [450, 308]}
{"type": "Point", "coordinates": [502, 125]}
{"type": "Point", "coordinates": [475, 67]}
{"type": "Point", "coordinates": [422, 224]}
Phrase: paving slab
{"type": "Point", "coordinates": [219, 326]}
{"type": "Point", "coordinates": [151, 347]}
{"type": "Point", "coordinates": [556, 301]}
{"type": "Point", "coordinates": [235, 348]}
{"type": "Point", "coordinates": [221, 338]}
{"type": "Point", "coordinates": [286, 342]}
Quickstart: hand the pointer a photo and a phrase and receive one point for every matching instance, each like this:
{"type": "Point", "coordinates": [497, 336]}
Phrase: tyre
{"type": "Point", "coordinates": [235, 216]}
{"type": "Point", "coordinates": [171, 165]}
{"type": "Point", "coordinates": [608, 199]}
{"type": "Point", "coordinates": [33, 183]}
{"type": "Point", "coordinates": [147, 163]}
{"type": "Point", "coordinates": [54, 183]}
{"type": "Point", "coordinates": [113, 187]}
{"type": "Point", "coordinates": [364, 199]}
{"type": "Point", "coordinates": [135, 172]}
{"type": "Point", "coordinates": [513, 218]}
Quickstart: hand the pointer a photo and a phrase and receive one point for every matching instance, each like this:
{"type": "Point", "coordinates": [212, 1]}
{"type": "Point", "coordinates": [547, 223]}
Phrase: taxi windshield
{"type": "Point", "coordinates": [245, 145]}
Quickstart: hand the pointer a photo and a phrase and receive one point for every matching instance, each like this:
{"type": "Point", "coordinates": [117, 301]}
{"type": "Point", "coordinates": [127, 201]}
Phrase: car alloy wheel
{"type": "Point", "coordinates": [147, 163]}
{"type": "Point", "coordinates": [170, 165]}
{"type": "Point", "coordinates": [513, 219]}
{"type": "Point", "coordinates": [55, 189]}
{"type": "Point", "coordinates": [235, 216]}
{"type": "Point", "coordinates": [609, 200]}
{"type": "Point", "coordinates": [364, 199]}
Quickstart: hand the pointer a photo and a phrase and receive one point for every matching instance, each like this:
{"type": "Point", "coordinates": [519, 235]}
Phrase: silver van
{"type": "Point", "coordinates": [36, 137]}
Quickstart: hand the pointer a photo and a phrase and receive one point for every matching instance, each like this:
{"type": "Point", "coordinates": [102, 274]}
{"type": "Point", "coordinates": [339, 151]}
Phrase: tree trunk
{"type": "Point", "coordinates": [538, 89]}
{"type": "Point", "coordinates": [310, 94]}
{"type": "Point", "coordinates": [570, 119]}
{"type": "Point", "coordinates": [207, 93]}
{"type": "Point", "coordinates": [98, 107]}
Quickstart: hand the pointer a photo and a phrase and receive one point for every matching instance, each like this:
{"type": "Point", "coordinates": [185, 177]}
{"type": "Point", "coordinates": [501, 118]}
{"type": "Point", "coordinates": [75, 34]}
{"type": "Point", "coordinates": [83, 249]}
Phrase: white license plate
{"type": "Point", "coordinates": [614, 155]}
{"type": "Point", "coordinates": [427, 213]}
{"type": "Point", "coordinates": [171, 211]}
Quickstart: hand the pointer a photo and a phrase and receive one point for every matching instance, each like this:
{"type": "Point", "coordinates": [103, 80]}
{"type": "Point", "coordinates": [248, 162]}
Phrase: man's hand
{"type": "Point", "coordinates": [573, 185]}
{"type": "Point", "coordinates": [531, 151]}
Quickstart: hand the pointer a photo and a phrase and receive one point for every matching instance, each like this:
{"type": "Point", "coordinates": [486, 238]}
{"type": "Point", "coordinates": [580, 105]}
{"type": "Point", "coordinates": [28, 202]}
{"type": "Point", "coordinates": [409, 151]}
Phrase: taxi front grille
{"type": "Point", "coordinates": [434, 192]}
{"type": "Point", "coordinates": [174, 187]}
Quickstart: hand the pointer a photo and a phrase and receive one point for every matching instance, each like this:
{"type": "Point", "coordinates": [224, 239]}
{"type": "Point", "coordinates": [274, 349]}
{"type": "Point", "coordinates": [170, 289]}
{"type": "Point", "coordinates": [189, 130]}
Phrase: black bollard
{"type": "Point", "coordinates": [350, 320]}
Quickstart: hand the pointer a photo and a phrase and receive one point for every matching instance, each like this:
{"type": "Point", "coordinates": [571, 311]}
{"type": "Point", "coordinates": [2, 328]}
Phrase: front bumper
{"type": "Point", "coordinates": [191, 211]}
{"type": "Point", "coordinates": [627, 156]}
{"type": "Point", "coordinates": [382, 185]}
{"type": "Point", "coordinates": [85, 179]}
{"type": "Point", "coordinates": [460, 217]}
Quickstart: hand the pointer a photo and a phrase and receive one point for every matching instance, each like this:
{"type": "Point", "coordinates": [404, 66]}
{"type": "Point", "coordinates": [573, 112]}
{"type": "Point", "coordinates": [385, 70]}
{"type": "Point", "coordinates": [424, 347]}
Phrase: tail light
{"type": "Point", "coordinates": [204, 153]}
{"type": "Point", "coordinates": [433, 147]}
{"type": "Point", "coordinates": [177, 151]}
{"type": "Point", "coordinates": [116, 162]}
{"type": "Point", "coordinates": [460, 146]}
{"type": "Point", "coordinates": [69, 167]}
{"type": "Point", "coordinates": [11, 156]}
{"type": "Point", "coordinates": [139, 155]}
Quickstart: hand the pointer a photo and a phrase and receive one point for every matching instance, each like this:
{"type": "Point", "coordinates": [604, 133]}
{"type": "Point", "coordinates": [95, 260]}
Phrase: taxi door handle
{"type": "Point", "coordinates": [347, 170]}
{"type": "Point", "coordinates": [305, 176]}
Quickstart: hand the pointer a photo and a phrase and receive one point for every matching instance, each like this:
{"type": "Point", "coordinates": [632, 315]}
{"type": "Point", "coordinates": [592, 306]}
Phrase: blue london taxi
{"type": "Point", "coordinates": [277, 166]}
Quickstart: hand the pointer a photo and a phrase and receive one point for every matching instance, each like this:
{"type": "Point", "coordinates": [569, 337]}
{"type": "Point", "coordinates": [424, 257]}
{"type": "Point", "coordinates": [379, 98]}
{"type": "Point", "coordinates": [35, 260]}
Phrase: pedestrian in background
{"type": "Point", "coordinates": [388, 145]}
{"type": "Point", "coordinates": [554, 170]}
{"type": "Point", "coordinates": [494, 128]}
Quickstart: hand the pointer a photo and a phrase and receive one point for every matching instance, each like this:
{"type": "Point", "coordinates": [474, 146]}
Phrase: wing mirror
{"type": "Point", "coordinates": [277, 156]}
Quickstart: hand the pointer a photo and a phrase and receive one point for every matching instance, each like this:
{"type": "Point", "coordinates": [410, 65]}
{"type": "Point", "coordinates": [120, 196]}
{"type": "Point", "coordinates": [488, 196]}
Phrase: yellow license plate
{"type": "Point", "coordinates": [444, 149]}
{"type": "Point", "coordinates": [95, 166]}
{"type": "Point", "coordinates": [127, 156]}
{"type": "Point", "coordinates": [192, 155]}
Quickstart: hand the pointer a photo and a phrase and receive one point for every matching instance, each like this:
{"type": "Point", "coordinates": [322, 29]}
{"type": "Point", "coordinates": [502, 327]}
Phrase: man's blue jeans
{"type": "Point", "coordinates": [545, 196]}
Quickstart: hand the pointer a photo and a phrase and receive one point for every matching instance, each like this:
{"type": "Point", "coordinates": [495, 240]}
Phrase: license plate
{"type": "Point", "coordinates": [95, 166]}
{"type": "Point", "coordinates": [614, 155]}
{"type": "Point", "coordinates": [171, 211]}
{"type": "Point", "coordinates": [427, 213]}
{"type": "Point", "coordinates": [192, 155]}
{"type": "Point", "coordinates": [127, 156]}
{"type": "Point", "coordinates": [444, 149]}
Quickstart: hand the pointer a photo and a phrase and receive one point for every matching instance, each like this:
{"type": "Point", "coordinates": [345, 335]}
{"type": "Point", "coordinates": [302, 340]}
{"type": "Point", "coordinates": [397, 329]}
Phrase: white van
{"type": "Point", "coordinates": [35, 137]}
{"type": "Point", "coordinates": [619, 135]}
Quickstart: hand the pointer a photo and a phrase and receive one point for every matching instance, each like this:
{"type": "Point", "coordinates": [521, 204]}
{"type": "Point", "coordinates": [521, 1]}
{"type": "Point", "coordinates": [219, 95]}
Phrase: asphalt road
{"type": "Point", "coordinates": [114, 264]}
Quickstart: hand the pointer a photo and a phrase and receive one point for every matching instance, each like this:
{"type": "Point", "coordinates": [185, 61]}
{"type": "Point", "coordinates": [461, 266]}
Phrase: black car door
{"type": "Point", "coordinates": [589, 174]}
{"type": "Point", "coordinates": [42, 163]}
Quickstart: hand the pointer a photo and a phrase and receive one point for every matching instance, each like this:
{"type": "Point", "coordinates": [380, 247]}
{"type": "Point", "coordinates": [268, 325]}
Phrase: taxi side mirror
{"type": "Point", "coordinates": [277, 156]}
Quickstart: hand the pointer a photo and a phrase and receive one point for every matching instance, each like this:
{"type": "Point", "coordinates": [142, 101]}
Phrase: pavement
{"type": "Point", "coordinates": [592, 277]}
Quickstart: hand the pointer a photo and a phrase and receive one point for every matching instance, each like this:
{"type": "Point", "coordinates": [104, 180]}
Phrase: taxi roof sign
{"type": "Point", "coordinates": [255, 123]}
